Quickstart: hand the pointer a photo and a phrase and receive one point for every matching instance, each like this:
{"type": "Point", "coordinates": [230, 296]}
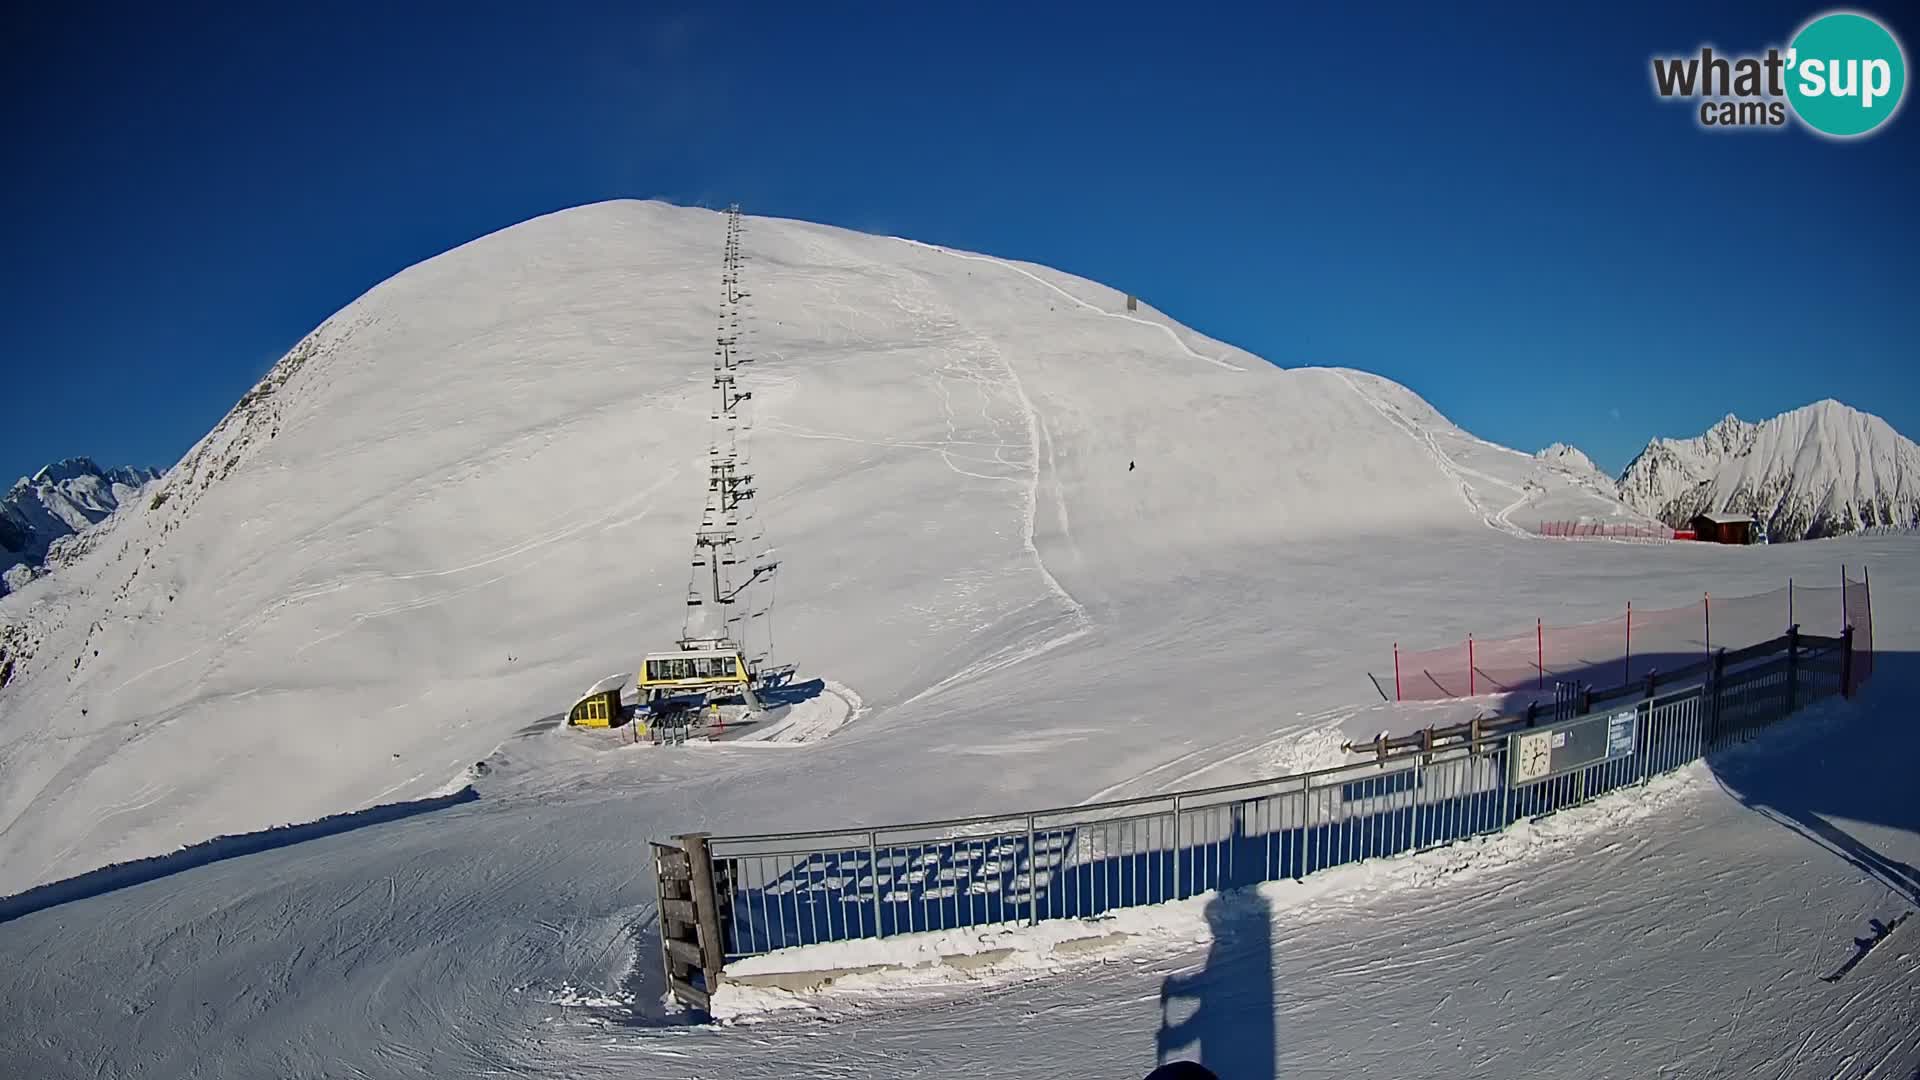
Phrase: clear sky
{"type": "Point", "coordinates": [1494, 210]}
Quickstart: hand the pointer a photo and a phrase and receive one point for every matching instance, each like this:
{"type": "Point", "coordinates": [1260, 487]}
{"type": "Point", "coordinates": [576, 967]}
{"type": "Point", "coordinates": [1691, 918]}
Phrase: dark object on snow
{"type": "Point", "coordinates": [1863, 946]}
{"type": "Point", "coordinates": [1725, 529]}
{"type": "Point", "coordinates": [1182, 1070]}
{"type": "Point", "coordinates": [1129, 466]}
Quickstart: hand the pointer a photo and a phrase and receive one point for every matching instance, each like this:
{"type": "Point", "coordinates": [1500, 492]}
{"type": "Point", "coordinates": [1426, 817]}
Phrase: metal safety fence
{"type": "Point", "coordinates": [780, 890]}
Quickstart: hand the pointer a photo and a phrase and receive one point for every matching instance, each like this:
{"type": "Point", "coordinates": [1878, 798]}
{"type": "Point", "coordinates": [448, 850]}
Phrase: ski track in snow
{"type": "Point", "coordinates": [1453, 470]}
{"type": "Point", "coordinates": [1039, 450]}
{"type": "Point", "coordinates": [1217, 755]}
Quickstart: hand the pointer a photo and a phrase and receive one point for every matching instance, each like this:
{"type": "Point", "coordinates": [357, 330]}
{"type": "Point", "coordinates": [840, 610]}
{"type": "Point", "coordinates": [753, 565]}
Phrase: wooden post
{"type": "Point", "coordinates": [1470, 687]}
{"type": "Point", "coordinates": [680, 951]}
{"type": "Point", "coordinates": [1629, 672]}
{"type": "Point", "coordinates": [713, 951]}
{"type": "Point", "coordinates": [1706, 609]}
{"type": "Point", "coordinates": [1540, 653]}
{"type": "Point", "coordinates": [1396, 671]}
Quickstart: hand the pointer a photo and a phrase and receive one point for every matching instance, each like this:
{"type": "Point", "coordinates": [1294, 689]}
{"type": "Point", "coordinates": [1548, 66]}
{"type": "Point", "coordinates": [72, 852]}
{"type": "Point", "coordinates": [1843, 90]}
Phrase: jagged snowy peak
{"type": "Point", "coordinates": [1820, 470]}
{"type": "Point", "coordinates": [61, 500]}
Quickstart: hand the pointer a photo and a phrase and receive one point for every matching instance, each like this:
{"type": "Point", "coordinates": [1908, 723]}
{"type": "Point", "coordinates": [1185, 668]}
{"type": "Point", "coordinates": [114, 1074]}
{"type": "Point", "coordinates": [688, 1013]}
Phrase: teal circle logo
{"type": "Point", "coordinates": [1845, 74]}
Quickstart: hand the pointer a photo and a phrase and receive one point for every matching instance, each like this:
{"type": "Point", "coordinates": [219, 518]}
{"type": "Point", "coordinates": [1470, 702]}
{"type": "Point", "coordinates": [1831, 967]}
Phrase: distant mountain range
{"type": "Point", "coordinates": [1825, 469]}
{"type": "Point", "coordinates": [62, 500]}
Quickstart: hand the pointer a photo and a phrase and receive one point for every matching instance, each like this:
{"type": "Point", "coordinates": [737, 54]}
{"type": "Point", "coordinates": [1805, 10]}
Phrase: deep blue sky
{"type": "Point", "coordinates": [1495, 211]}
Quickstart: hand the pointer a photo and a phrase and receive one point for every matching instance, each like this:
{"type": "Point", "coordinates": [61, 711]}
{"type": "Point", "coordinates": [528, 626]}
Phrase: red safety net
{"type": "Point", "coordinates": [1613, 652]}
{"type": "Point", "coordinates": [1596, 530]}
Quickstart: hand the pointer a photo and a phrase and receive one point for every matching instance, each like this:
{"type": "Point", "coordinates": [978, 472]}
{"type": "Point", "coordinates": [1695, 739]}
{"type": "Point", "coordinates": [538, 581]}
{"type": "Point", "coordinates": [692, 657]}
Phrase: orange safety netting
{"type": "Point", "coordinates": [1613, 652]}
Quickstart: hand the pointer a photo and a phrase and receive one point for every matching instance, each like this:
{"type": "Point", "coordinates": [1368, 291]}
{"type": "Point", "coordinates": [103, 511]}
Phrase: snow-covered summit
{"type": "Point", "coordinates": [1819, 470]}
{"type": "Point", "coordinates": [62, 499]}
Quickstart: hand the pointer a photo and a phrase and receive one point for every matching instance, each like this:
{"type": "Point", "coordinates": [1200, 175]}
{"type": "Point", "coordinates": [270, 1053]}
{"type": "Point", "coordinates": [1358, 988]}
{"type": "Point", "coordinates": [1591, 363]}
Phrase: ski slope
{"type": "Point", "coordinates": [471, 497]}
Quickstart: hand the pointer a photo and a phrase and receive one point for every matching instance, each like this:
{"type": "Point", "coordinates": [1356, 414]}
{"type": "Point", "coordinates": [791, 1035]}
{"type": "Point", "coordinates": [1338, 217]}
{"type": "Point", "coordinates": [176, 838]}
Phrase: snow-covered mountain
{"type": "Point", "coordinates": [1570, 458]}
{"type": "Point", "coordinates": [497, 453]}
{"type": "Point", "coordinates": [65, 498]}
{"type": "Point", "coordinates": [1821, 470]}
{"type": "Point", "coordinates": [1060, 549]}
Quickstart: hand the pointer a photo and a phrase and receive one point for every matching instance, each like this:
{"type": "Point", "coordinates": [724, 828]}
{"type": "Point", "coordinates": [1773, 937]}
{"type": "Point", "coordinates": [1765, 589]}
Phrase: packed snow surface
{"type": "Point", "coordinates": [1037, 548]}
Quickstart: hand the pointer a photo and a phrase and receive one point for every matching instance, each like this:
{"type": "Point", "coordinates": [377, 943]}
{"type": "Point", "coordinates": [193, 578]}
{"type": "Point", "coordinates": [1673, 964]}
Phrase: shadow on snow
{"type": "Point", "coordinates": [118, 876]}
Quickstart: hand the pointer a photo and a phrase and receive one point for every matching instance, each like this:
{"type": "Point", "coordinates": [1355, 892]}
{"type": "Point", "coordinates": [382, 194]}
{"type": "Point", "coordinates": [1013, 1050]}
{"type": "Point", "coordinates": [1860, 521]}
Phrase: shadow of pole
{"type": "Point", "coordinates": [1228, 1024]}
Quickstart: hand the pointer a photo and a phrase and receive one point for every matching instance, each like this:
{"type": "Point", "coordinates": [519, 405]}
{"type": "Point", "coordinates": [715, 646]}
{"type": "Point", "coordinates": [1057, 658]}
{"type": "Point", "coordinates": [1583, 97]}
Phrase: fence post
{"type": "Point", "coordinates": [1629, 672]}
{"type": "Point", "coordinates": [1470, 688]}
{"type": "Point", "coordinates": [873, 865]}
{"type": "Point", "coordinates": [1846, 662]}
{"type": "Point", "coordinates": [1179, 879]}
{"type": "Point", "coordinates": [1653, 678]}
{"type": "Point", "coordinates": [706, 908]}
{"type": "Point", "coordinates": [1713, 701]}
{"type": "Point", "coordinates": [1396, 671]}
{"type": "Point", "coordinates": [1866, 586]}
{"type": "Point", "coordinates": [1033, 877]}
{"type": "Point", "coordinates": [1793, 666]}
{"type": "Point", "coordinates": [1539, 653]}
{"type": "Point", "coordinates": [1419, 793]}
{"type": "Point", "coordinates": [1706, 610]}
{"type": "Point", "coordinates": [1843, 597]}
